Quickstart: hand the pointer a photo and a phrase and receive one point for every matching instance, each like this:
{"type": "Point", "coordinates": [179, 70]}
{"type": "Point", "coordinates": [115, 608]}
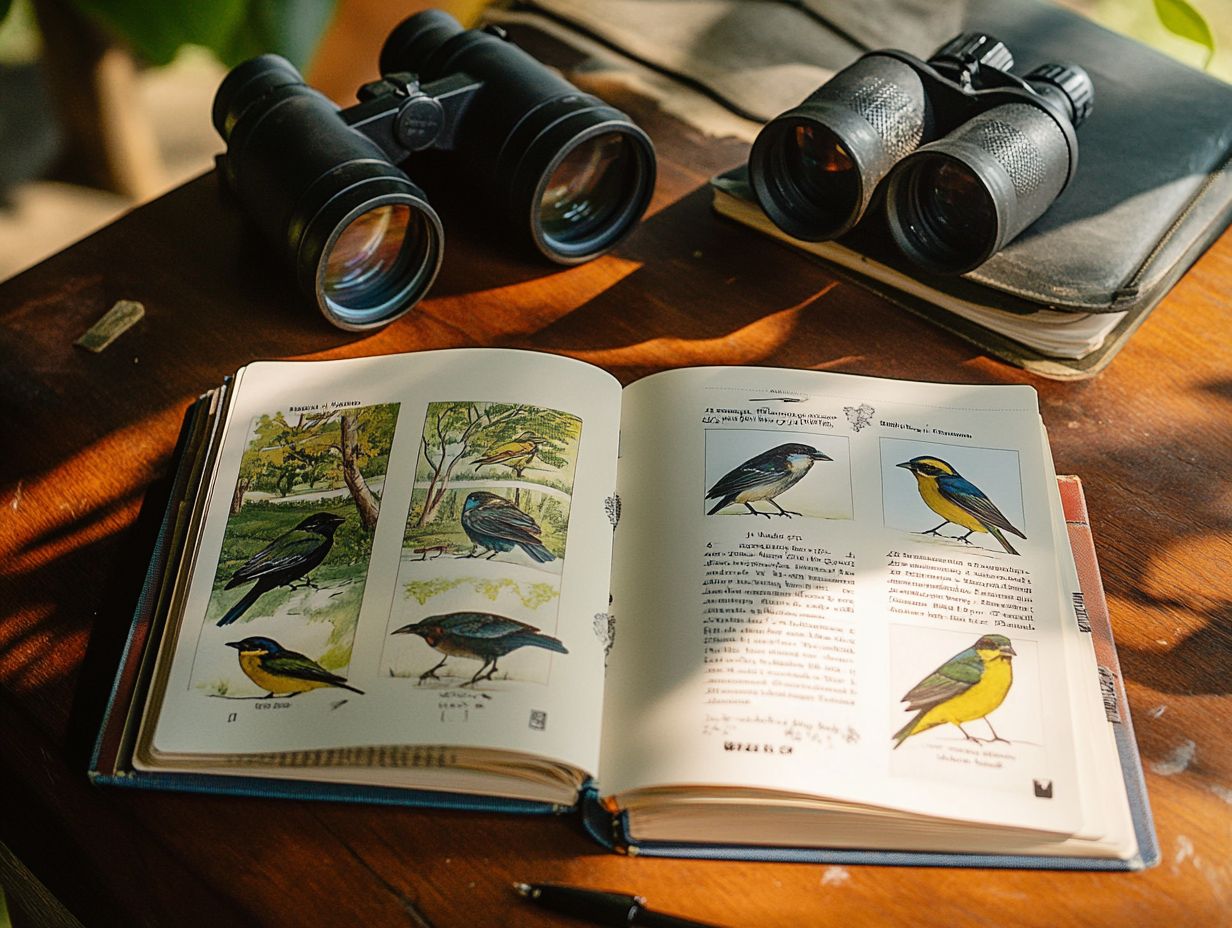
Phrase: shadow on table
{"type": "Point", "coordinates": [788, 311]}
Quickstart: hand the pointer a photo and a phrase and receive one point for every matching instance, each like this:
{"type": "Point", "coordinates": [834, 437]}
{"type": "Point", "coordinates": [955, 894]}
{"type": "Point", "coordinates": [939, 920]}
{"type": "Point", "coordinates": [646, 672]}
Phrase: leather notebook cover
{"type": "Point", "coordinates": [1152, 180]}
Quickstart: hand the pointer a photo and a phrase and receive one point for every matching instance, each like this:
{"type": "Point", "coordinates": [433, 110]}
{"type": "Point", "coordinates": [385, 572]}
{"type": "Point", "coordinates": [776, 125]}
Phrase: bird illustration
{"type": "Point", "coordinates": [481, 636]}
{"type": "Point", "coordinates": [950, 495]}
{"type": "Point", "coordinates": [515, 454]}
{"type": "Point", "coordinates": [764, 477]}
{"type": "Point", "coordinates": [289, 557]}
{"type": "Point", "coordinates": [281, 672]}
{"type": "Point", "coordinates": [495, 523]}
{"type": "Point", "coordinates": [968, 686]}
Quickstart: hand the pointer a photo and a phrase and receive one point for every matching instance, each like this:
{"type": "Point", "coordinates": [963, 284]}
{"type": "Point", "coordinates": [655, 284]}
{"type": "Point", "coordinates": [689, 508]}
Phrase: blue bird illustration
{"type": "Point", "coordinates": [950, 495]}
{"type": "Point", "coordinates": [289, 557]}
{"type": "Point", "coordinates": [495, 523]}
{"type": "Point", "coordinates": [282, 672]}
{"type": "Point", "coordinates": [764, 477]}
{"type": "Point", "coordinates": [481, 636]}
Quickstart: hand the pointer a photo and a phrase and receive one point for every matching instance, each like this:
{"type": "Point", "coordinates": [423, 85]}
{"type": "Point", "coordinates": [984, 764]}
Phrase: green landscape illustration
{"type": "Point", "coordinates": [298, 540]}
{"type": "Point", "coordinates": [493, 481]}
{"type": "Point", "coordinates": [484, 544]}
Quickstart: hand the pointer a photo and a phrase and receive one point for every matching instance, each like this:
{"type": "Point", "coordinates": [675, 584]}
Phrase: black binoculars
{"type": "Point", "coordinates": [970, 154]}
{"type": "Point", "coordinates": [567, 173]}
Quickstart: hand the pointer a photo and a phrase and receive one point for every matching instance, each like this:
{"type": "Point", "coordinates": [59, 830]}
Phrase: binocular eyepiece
{"type": "Point", "coordinates": [963, 154]}
{"type": "Point", "coordinates": [567, 174]}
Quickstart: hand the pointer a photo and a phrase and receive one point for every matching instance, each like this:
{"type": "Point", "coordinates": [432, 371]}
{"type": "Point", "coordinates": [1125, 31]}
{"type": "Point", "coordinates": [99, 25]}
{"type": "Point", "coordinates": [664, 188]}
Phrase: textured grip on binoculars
{"type": "Point", "coordinates": [885, 101]}
{"type": "Point", "coordinates": [815, 167]}
{"type": "Point", "coordinates": [1031, 149]}
{"type": "Point", "coordinates": [889, 97]}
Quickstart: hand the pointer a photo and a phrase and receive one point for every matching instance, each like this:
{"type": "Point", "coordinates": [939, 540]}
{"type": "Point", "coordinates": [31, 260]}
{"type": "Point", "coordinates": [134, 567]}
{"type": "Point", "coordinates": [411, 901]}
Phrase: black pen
{"type": "Point", "coordinates": [601, 908]}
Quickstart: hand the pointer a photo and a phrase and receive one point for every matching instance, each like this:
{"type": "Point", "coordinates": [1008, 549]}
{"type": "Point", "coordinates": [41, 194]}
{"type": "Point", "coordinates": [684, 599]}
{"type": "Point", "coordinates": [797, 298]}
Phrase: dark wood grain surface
{"type": "Point", "coordinates": [84, 435]}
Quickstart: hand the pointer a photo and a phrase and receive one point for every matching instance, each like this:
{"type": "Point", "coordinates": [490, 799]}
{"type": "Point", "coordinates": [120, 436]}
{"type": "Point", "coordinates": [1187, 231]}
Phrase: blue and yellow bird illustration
{"type": "Point", "coordinates": [765, 476]}
{"type": "Point", "coordinates": [950, 495]}
{"type": "Point", "coordinates": [497, 524]}
{"type": "Point", "coordinates": [515, 454]}
{"type": "Point", "coordinates": [281, 672]}
{"type": "Point", "coordinates": [481, 636]}
{"type": "Point", "coordinates": [289, 557]}
{"type": "Point", "coordinates": [968, 686]}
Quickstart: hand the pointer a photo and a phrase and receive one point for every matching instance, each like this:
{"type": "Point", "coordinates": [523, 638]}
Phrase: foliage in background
{"type": "Point", "coordinates": [1196, 32]}
{"type": "Point", "coordinates": [534, 596]}
{"type": "Point", "coordinates": [19, 41]}
{"type": "Point", "coordinates": [233, 30]}
{"type": "Point", "coordinates": [1179, 18]}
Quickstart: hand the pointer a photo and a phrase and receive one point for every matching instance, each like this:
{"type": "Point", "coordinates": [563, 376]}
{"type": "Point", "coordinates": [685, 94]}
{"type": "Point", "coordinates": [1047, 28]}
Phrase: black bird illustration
{"type": "Point", "coordinates": [495, 523]}
{"type": "Point", "coordinates": [289, 557]}
{"type": "Point", "coordinates": [481, 636]}
{"type": "Point", "coordinates": [764, 477]}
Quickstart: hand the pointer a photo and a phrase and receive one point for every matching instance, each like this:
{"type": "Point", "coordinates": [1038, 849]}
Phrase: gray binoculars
{"type": "Point", "coordinates": [955, 153]}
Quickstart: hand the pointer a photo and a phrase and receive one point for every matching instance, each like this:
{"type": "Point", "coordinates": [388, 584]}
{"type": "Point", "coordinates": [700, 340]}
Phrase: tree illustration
{"type": "Point", "coordinates": [456, 433]}
{"type": "Point", "coordinates": [338, 447]}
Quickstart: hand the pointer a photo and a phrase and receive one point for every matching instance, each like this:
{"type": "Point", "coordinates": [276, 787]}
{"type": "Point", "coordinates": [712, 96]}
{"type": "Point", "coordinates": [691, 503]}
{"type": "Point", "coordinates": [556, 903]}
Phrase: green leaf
{"type": "Point", "coordinates": [232, 29]}
{"type": "Point", "coordinates": [1179, 18]}
{"type": "Point", "coordinates": [291, 28]}
{"type": "Point", "coordinates": [156, 30]}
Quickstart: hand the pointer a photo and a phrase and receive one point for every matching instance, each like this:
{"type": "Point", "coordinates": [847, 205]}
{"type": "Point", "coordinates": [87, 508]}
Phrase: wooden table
{"type": "Point", "coordinates": [84, 435]}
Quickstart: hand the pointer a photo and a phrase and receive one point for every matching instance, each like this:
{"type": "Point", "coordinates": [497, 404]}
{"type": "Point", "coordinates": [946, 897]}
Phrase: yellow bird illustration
{"type": "Point", "coordinates": [282, 672]}
{"type": "Point", "coordinates": [968, 686]}
{"type": "Point", "coordinates": [515, 454]}
{"type": "Point", "coordinates": [947, 493]}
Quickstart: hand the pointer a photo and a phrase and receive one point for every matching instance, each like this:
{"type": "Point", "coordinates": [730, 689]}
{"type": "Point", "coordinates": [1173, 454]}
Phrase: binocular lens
{"type": "Point", "coordinates": [806, 179]}
{"type": "Point", "coordinates": [373, 265]}
{"type": "Point", "coordinates": [568, 173]}
{"type": "Point", "coordinates": [821, 171]}
{"type": "Point", "coordinates": [587, 190]}
{"type": "Point", "coordinates": [946, 212]}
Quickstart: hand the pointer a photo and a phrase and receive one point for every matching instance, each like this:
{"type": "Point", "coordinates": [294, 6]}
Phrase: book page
{"type": "Point", "coordinates": [402, 550]}
{"type": "Point", "coordinates": [841, 587]}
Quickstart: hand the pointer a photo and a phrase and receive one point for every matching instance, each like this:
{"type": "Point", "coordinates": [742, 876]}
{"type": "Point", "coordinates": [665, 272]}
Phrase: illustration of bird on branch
{"type": "Point", "coordinates": [516, 454]}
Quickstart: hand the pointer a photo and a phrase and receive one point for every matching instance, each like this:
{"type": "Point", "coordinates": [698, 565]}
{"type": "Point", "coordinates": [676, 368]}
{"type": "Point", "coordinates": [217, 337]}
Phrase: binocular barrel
{"type": "Point", "coordinates": [566, 173]}
{"type": "Point", "coordinates": [814, 168]}
{"type": "Point", "coordinates": [359, 235]}
{"type": "Point", "coordinates": [965, 155]}
{"type": "Point", "coordinates": [954, 203]}
{"type": "Point", "coordinates": [565, 169]}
